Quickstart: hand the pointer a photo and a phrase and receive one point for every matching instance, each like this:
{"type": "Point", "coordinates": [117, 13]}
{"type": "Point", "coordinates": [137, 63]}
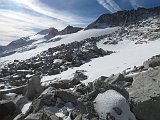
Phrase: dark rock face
{"type": "Point", "coordinates": [145, 95]}
{"type": "Point", "coordinates": [47, 31]}
{"type": "Point", "coordinates": [8, 110]}
{"type": "Point", "coordinates": [122, 18]}
{"type": "Point", "coordinates": [69, 29]}
{"type": "Point", "coordinates": [19, 43]}
{"type": "Point", "coordinates": [51, 33]}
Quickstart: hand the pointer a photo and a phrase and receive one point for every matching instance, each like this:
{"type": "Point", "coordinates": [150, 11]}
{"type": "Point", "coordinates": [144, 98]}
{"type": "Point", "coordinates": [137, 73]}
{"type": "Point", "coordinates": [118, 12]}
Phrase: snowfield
{"type": "Point", "coordinates": [127, 55]}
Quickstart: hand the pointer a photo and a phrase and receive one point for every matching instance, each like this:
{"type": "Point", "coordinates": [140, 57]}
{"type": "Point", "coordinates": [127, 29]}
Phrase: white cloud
{"type": "Point", "coordinates": [38, 7]}
{"type": "Point", "coordinates": [110, 5]}
{"type": "Point", "coordinates": [15, 22]}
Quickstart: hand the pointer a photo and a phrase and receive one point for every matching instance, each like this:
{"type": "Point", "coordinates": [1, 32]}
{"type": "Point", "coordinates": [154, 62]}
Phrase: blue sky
{"type": "Point", "coordinates": [19, 18]}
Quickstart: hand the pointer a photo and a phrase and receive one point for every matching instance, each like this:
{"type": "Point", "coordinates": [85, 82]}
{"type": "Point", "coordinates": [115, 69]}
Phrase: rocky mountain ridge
{"type": "Point", "coordinates": [52, 32]}
{"type": "Point", "coordinates": [124, 18]}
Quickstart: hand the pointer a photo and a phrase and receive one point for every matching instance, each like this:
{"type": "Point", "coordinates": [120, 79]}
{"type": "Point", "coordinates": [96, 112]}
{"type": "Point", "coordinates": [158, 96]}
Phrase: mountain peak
{"type": "Point", "coordinates": [70, 29]}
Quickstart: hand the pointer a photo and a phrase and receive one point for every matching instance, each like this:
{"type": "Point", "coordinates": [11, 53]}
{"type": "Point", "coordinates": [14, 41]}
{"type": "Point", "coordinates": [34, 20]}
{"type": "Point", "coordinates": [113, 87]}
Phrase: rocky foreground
{"type": "Point", "coordinates": [129, 96]}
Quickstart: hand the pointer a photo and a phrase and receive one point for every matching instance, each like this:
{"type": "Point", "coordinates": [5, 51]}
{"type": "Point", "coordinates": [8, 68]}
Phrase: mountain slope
{"type": "Point", "coordinates": [124, 18]}
{"type": "Point", "coordinates": [42, 36]}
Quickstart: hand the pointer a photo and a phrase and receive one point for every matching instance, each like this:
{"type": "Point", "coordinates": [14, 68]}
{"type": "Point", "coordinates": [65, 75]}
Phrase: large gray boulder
{"type": "Point", "coordinates": [8, 110]}
{"type": "Point", "coordinates": [103, 84]}
{"type": "Point", "coordinates": [145, 95]}
{"type": "Point", "coordinates": [152, 62]}
{"type": "Point", "coordinates": [34, 88]}
{"type": "Point", "coordinates": [120, 80]}
{"type": "Point", "coordinates": [52, 97]}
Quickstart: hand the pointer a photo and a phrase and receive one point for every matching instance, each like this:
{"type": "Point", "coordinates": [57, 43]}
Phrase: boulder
{"type": "Point", "coordinates": [20, 101]}
{"type": "Point", "coordinates": [78, 76]}
{"type": "Point", "coordinates": [102, 84]}
{"type": "Point", "coordinates": [52, 97]}
{"type": "Point", "coordinates": [70, 29]}
{"type": "Point", "coordinates": [8, 110]}
{"type": "Point", "coordinates": [82, 89]}
{"type": "Point", "coordinates": [63, 84]}
{"type": "Point", "coordinates": [120, 80]}
{"type": "Point", "coordinates": [34, 88]}
{"type": "Point", "coordinates": [144, 95]}
{"type": "Point", "coordinates": [152, 62]}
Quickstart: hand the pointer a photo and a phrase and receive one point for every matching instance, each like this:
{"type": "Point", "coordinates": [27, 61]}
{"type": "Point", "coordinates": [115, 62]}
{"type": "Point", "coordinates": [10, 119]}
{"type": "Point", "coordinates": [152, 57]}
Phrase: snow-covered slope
{"type": "Point", "coordinates": [42, 45]}
{"type": "Point", "coordinates": [127, 55]}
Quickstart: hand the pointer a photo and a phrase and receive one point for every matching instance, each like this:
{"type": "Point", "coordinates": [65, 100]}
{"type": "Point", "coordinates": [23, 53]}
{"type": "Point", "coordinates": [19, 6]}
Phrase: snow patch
{"type": "Point", "coordinates": [26, 107]}
{"type": "Point", "coordinates": [107, 102]}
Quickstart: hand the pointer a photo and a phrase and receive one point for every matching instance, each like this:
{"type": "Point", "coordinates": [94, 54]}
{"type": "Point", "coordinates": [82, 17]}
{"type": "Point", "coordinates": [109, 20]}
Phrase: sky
{"type": "Point", "coordinates": [21, 18]}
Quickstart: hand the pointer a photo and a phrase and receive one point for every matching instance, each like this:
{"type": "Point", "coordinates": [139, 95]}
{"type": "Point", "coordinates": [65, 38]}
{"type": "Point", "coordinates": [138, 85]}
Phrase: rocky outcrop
{"type": "Point", "coordinates": [145, 95]}
{"type": "Point", "coordinates": [78, 77]}
{"type": "Point", "coordinates": [34, 88]}
{"type": "Point", "coordinates": [47, 31]}
{"type": "Point", "coordinates": [69, 29]}
{"type": "Point", "coordinates": [80, 100]}
{"type": "Point", "coordinates": [152, 62]}
{"type": "Point", "coordinates": [120, 80]}
{"type": "Point", "coordinates": [52, 32]}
